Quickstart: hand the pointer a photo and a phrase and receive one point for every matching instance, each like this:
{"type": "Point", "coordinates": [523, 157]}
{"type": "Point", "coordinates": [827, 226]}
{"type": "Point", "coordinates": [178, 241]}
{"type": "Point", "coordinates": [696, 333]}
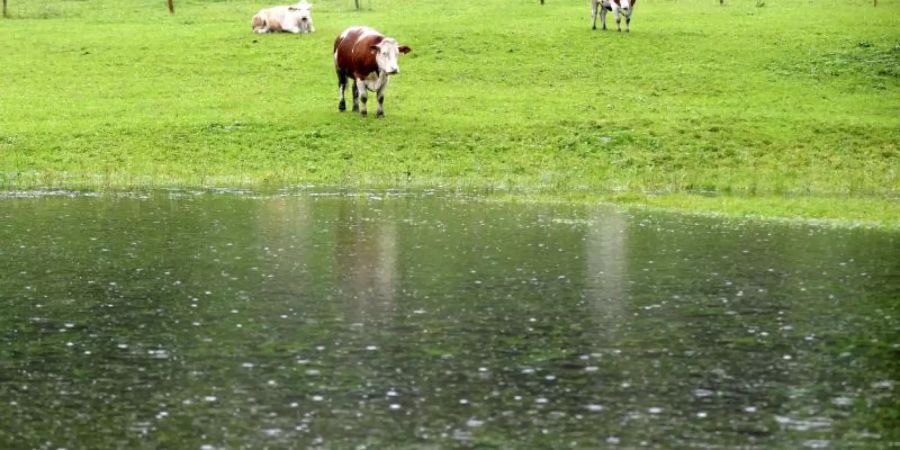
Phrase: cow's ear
{"type": "Point", "coordinates": [404, 49]}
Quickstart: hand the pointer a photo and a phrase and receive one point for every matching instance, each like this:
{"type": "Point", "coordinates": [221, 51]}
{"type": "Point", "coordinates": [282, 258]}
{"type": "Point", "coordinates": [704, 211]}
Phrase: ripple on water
{"type": "Point", "coordinates": [812, 423]}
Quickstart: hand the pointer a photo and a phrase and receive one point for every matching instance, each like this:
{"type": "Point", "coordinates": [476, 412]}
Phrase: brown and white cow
{"type": "Point", "coordinates": [626, 7]}
{"type": "Point", "coordinates": [292, 19]}
{"type": "Point", "coordinates": [370, 58]}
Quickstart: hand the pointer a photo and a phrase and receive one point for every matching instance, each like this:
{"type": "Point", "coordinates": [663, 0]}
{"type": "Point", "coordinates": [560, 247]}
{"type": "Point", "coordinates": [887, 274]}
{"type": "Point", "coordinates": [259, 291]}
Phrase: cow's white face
{"type": "Point", "coordinates": [387, 54]}
{"type": "Point", "coordinates": [626, 4]}
{"type": "Point", "coordinates": [302, 11]}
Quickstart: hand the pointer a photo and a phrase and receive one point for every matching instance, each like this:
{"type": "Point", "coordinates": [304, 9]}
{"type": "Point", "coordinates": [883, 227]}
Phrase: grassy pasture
{"type": "Point", "coordinates": [792, 108]}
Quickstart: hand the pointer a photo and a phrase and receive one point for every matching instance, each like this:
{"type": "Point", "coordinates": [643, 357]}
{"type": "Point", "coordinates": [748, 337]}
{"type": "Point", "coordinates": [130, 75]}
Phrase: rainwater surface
{"type": "Point", "coordinates": [219, 320]}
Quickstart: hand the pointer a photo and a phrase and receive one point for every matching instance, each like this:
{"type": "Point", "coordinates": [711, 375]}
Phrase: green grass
{"type": "Point", "coordinates": [791, 109]}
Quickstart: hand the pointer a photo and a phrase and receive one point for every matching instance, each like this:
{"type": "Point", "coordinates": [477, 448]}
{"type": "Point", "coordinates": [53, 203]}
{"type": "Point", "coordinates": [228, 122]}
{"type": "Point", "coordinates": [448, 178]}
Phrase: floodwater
{"type": "Point", "coordinates": [206, 321]}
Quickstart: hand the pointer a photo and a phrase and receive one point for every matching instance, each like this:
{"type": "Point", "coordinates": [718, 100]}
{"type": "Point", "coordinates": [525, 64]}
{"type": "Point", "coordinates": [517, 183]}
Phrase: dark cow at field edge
{"type": "Point", "coordinates": [370, 59]}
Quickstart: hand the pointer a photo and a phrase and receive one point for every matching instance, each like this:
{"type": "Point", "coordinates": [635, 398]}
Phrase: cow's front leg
{"type": "Point", "coordinates": [380, 112]}
{"type": "Point", "coordinates": [355, 97]}
{"type": "Point", "coordinates": [618, 20]}
{"type": "Point", "coordinates": [363, 97]}
{"type": "Point", "coordinates": [628, 22]}
{"type": "Point", "coordinates": [594, 14]}
{"type": "Point", "coordinates": [603, 17]}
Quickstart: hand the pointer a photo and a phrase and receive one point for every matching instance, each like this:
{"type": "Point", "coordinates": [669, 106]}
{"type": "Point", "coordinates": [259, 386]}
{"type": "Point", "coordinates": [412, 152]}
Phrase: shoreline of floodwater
{"type": "Point", "coordinates": [830, 211]}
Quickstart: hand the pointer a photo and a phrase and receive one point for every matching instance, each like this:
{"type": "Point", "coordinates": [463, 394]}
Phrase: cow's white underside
{"type": "Point", "coordinates": [376, 81]}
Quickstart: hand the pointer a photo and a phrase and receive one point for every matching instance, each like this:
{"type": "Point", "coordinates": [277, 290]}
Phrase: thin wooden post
{"type": "Point", "coordinates": [5, 14]}
{"type": "Point", "coordinates": [357, 4]}
{"type": "Point", "coordinates": [171, 6]}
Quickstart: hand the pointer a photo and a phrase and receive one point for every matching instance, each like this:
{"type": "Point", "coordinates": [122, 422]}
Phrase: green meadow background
{"type": "Point", "coordinates": [781, 108]}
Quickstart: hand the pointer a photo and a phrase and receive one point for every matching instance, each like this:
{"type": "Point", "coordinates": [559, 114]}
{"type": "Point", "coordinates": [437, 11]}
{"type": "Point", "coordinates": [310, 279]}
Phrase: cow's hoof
{"type": "Point", "coordinates": [363, 113]}
{"type": "Point", "coordinates": [379, 115]}
{"type": "Point", "coordinates": [342, 106]}
{"type": "Point", "coordinates": [355, 108]}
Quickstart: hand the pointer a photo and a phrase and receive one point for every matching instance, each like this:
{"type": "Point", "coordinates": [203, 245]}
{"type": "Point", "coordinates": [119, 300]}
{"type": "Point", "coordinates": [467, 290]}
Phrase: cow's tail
{"type": "Point", "coordinates": [258, 23]}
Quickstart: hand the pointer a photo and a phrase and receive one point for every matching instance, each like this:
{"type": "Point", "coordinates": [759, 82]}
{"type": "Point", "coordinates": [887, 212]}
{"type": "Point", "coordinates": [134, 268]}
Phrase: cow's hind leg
{"type": "Point", "coordinates": [618, 19]}
{"type": "Point", "coordinates": [355, 96]}
{"type": "Point", "coordinates": [363, 97]}
{"type": "Point", "coordinates": [342, 86]}
{"type": "Point", "coordinates": [594, 4]}
{"type": "Point", "coordinates": [603, 11]}
{"type": "Point", "coordinates": [628, 21]}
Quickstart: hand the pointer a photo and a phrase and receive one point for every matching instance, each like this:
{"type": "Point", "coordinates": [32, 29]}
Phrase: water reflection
{"type": "Point", "coordinates": [229, 321]}
{"type": "Point", "coordinates": [365, 260]}
{"type": "Point", "coordinates": [606, 265]}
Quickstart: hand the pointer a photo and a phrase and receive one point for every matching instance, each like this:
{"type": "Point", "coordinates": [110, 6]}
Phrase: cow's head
{"type": "Point", "coordinates": [303, 11]}
{"type": "Point", "coordinates": [386, 54]}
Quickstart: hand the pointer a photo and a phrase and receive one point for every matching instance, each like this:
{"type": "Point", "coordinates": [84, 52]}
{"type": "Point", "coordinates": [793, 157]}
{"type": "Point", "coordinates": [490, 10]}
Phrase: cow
{"type": "Point", "coordinates": [371, 59]}
{"type": "Point", "coordinates": [626, 7]}
{"type": "Point", "coordinates": [292, 19]}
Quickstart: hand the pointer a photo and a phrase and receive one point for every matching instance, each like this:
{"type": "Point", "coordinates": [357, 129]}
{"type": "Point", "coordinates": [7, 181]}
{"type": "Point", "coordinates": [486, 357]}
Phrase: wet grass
{"type": "Point", "coordinates": [783, 110]}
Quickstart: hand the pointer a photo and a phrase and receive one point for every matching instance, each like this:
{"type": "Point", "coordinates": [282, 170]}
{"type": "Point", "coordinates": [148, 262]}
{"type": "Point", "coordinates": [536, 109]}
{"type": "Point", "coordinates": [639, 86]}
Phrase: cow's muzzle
{"type": "Point", "coordinates": [393, 71]}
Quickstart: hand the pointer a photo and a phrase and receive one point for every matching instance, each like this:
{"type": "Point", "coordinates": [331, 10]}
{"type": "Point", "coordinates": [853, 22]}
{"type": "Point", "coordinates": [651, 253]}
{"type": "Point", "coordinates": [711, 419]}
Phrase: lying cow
{"type": "Point", "coordinates": [368, 57]}
{"type": "Point", "coordinates": [626, 7]}
{"type": "Point", "coordinates": [292, 19]}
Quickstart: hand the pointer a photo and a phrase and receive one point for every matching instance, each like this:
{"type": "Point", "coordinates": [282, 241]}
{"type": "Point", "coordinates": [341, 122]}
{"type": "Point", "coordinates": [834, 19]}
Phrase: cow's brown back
{"type": "Point", "coordinates": [352, 52]}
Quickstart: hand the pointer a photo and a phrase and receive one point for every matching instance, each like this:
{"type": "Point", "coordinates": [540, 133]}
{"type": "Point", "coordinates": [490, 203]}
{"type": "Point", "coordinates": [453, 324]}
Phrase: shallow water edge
{"type": "Point", "coordinates": [828, 211]}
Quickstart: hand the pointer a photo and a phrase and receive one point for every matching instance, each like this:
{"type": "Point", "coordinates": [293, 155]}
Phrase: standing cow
{"type": "Point", "coordinates": [292, 19]}
{"type": "Point", "coordinates": [370, 58]}
{"type": "Point", "coordinates": [626, 7]}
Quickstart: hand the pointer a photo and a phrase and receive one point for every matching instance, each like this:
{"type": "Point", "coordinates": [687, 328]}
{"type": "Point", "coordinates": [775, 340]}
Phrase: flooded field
{"type": "Point", "coordinates": [188, 320]}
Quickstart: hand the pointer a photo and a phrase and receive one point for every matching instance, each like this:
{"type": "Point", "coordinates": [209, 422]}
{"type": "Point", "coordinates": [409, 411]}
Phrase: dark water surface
{"type": "Point", "coordinates": [226, 321]}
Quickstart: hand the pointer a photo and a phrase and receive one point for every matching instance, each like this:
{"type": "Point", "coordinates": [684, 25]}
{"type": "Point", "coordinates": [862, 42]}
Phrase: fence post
{"type": "Point", "coordinates": [171, 6]}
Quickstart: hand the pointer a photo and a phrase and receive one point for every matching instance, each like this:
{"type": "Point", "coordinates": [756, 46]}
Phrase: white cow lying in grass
{"type": "Point", "coordinates": [626, 7]}
{"type": "Point", "coordinates": [292, 19]}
